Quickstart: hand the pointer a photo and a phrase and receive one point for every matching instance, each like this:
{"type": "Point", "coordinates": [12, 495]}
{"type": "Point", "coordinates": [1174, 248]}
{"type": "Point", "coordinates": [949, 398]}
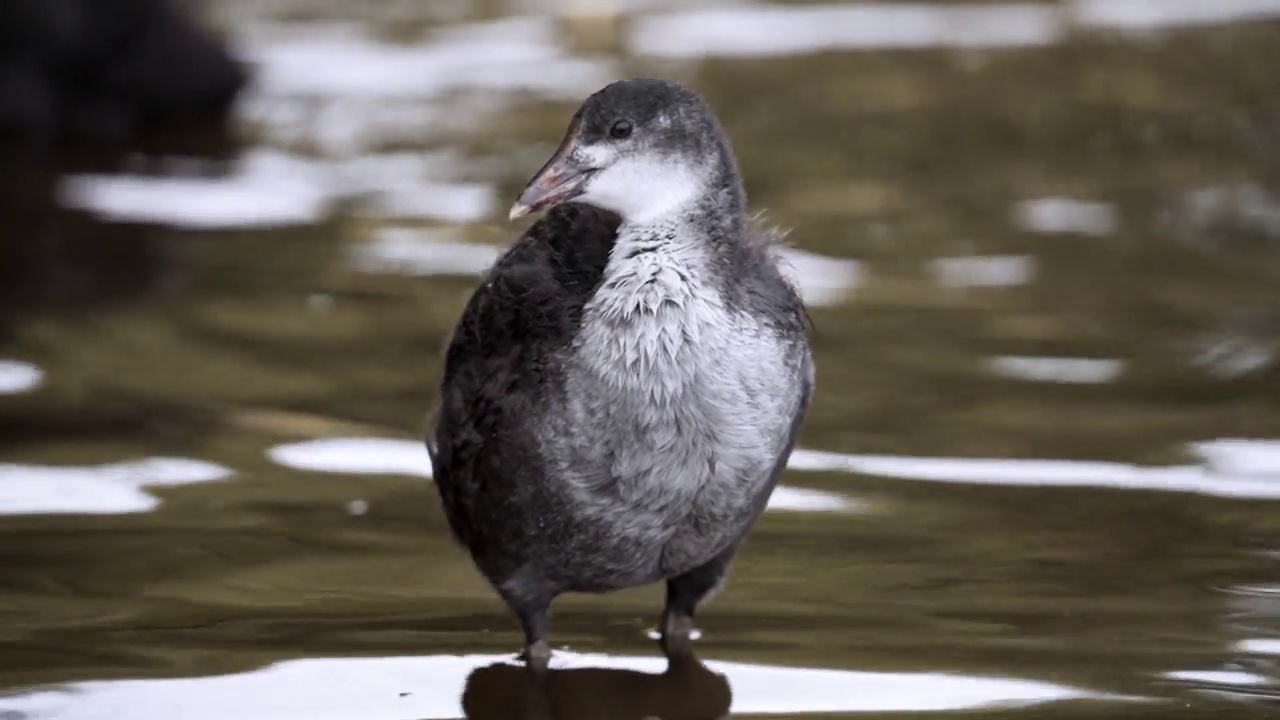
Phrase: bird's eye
{"type": "Point", "coordinates": [620, 130]}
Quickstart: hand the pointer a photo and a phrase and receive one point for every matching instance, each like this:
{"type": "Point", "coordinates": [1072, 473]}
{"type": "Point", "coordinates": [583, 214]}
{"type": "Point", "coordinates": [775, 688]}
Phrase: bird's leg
{"type": "Point", "coordinates": [684, 594]}
{"type": "Point", "coordinates": [537, 656]}
{"type": "Point", "coordinates": [537, 659]}
{"type": "Point", "coordinates": [537, 653]}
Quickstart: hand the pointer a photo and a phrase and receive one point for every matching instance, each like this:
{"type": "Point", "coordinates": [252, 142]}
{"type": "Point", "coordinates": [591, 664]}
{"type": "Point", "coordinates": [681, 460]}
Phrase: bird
{"type": "Point", "coordinates": [623, 389]}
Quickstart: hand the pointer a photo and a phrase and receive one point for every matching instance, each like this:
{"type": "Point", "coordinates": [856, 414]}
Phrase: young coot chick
{"type": "Point", "coordinates": [624, 388]}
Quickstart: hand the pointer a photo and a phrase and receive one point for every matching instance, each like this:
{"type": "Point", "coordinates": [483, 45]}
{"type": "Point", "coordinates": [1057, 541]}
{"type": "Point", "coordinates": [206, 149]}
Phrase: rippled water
{"type": "Point", "coordinates": [1041, 479]}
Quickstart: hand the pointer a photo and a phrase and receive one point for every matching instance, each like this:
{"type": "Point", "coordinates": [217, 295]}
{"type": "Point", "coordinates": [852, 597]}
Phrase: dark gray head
{"type": "Point", "coordinates": [643, 149]}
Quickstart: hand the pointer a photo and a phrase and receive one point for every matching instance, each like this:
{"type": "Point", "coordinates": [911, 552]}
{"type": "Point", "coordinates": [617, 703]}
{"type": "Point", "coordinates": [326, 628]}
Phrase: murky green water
{"type": "Point", "coordinates": [220, 344]}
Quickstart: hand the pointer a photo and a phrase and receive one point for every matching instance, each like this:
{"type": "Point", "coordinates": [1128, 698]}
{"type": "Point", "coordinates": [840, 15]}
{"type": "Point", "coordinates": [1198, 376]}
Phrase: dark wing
{"type": "Point", "coordinates": [504, 357]}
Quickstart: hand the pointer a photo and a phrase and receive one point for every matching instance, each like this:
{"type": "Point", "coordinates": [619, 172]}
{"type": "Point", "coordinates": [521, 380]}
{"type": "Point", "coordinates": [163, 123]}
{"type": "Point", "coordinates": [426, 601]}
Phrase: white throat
{"type": "Point", "coordinates": [647, 191]}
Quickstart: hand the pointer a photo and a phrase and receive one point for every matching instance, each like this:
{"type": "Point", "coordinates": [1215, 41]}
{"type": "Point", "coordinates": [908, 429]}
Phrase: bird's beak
{"type": "Point", "coordinates": [559, 181]}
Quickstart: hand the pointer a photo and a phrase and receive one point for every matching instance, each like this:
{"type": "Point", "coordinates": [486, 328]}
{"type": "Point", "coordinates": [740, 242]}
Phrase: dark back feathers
{"type": "Point", "coordinates": [507, 350]}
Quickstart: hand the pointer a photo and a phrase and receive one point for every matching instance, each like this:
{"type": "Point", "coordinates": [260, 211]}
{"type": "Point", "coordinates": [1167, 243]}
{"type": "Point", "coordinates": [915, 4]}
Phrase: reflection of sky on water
{"type": "Point", "coordinates": [410, 688]}
{"type": "Point", "coordinates": [1260, 646]}
{"type": "Point", "coordinates": [1208, 679]}
{"type": "Point", "coordinates": [423, 252]}
{"type": "Point", "coordinates": [267, 188]}
{"type": "Point", "coordinates": [992, 271]}
{"type": "Point", "coordinates": [821, 280]}
{"type": "Point", "coordinates": [336, 87]}
{"type": "Point", "coordinates": [765, 30]}
{"type": "Point", "coordinates": [1231, 468]}
{"type": "Point", "coordinates": [1057, 369]}
{"type": "Point", "coordinates": [19, 377]}
{"type": "Point", "coordinates": [511, 54]}
{"type": "Point", "coordinates": [1065, 216]}
{"type": "Point", "coordinates": [752, 30]}
{"type": "Point", "coordinates": [97, 489]}
{"type": "Point", "coordinates": [1146, 15]}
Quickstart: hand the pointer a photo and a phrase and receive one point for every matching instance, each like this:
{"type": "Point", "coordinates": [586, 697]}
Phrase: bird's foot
{"type": "Point", "coordinates": [678, 634]}
{"type": "Point", "coordinates": [537, 657]}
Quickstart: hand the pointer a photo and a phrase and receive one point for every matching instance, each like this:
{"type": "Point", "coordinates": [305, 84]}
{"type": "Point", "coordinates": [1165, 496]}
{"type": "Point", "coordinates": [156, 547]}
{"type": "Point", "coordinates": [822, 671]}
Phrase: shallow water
{"type": "Point", "coordinates": [1041, 478]}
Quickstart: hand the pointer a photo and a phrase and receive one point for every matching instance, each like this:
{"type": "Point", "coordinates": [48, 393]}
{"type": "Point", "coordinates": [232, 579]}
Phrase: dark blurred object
{"type": "Point", "coordinates": [688, 690]}
{"type": "Point", "coordinates": [86, 86]}
{"type": "Point", "coordinates": [108, 70]}
{"type": "Point", "coordinates": [54, 259]}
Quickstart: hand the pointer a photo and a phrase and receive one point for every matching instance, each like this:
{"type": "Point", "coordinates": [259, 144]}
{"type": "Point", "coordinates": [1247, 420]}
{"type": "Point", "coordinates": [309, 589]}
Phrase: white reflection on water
{"type": "Point", "coordinates": [453, 202]}
{"type": "Point", "coordinates": [752, 30]}
{"type": "Point", "coordinates": [1218, 677]}
{"type": "Point", "coordinates": [1259, 646]}
{"type": "Point", "coordinates": [1065, 215]}
{"type": "Point", "coordinates": [409, 688]}
{"type": "Point", "coordinates": [516, 53]}
{"type": "Point", "coordinates": [821, 280]}
{"type": "Point", "coordinates": [386, 456]}
{"type": "Point", "coordinates": [755, 30]}
{"type": "Point", "coordinates": [1232, 468]}
{"type": "Point", "coordinates": [423, 252]}
{"type": "Point", "coordinates": [268, 188]}
{"type": "Point", "coordinates": [355, 455]}
{"type": "Point", "coordinates": [337, 87]}
{"type": "Point", "coordinates": [1057, 369]}
{"type": "Point", "coordinates": [96, 489]}
{"type": "Point", "coordinates": [1234, 456]}
{"type": "Point", "coordinates": [1152, 15]}
{"type": "Point", "coordinates": [990, 271]}
{"type": "Point", "coordinates": [19, 377]}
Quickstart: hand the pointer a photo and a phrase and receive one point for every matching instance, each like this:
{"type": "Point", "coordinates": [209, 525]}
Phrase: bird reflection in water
{"type": "Point", "coordinates": [688, 690]}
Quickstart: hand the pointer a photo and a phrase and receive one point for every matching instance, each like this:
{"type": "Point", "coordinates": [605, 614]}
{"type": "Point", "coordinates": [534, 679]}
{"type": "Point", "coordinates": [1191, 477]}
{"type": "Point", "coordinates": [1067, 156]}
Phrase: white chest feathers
{"type": "Point", "coordinates": [676, 395]}
{"type": "Point", "coordinates": [658, 329]}
{"type": "Point", "coordinates": [653, 320]}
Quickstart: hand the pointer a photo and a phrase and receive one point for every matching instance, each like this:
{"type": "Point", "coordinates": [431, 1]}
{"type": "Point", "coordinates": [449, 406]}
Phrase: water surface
{"type": "Point", "coordinates": [1041, 246]}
